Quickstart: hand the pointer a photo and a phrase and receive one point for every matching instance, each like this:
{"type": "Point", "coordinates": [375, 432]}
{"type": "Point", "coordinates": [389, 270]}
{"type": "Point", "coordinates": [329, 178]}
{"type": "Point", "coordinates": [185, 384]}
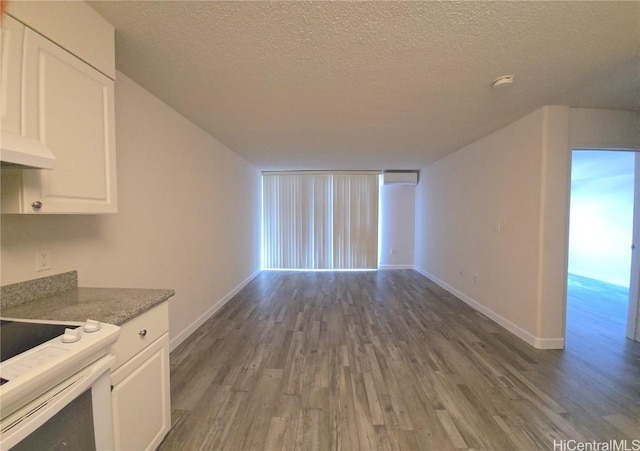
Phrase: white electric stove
{"type": "Point", "coordinates": [55, 389]}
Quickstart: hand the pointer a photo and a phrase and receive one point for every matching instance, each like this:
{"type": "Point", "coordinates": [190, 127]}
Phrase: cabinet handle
{"type": "Point", "coordinates": [143, 332]}
{"type": "Point", "coordinates": [37, 205]}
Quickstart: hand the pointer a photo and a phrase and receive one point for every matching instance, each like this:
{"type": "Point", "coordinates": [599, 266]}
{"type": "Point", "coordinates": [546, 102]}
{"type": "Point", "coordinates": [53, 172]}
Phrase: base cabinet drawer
{"type": "Point", "coordinates": [141, 400]}
{"type": "Point", "coordinates": [140, 332]}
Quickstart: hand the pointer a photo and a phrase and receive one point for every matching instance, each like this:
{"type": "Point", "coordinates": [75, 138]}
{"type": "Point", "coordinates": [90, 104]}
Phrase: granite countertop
{"type": "Point", "coordinates": [107, 305]}
{"type": "Point", "coordinates": [70, 303]}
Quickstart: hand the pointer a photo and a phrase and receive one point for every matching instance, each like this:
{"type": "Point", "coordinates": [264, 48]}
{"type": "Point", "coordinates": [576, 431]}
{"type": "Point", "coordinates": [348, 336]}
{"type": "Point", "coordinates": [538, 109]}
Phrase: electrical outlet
{"type": "Point", "coordinates": [43, 260]}
{"type": "Point", "coordinates": [475, 278]}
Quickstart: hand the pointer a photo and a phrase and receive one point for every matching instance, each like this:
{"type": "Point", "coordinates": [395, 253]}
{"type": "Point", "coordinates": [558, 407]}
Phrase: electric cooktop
{"type": "Point", "coordinates": [17, 337]}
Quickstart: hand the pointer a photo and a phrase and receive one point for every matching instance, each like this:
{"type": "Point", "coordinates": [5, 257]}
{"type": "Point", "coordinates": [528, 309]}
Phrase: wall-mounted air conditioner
{"type": "Point", "coordinates": [400, 178]}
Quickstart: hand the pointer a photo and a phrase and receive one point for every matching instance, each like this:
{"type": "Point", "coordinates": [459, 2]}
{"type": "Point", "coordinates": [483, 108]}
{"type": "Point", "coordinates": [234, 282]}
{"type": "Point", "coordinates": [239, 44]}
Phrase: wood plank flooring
{"type": "Point", "coordinates": [388, 360]}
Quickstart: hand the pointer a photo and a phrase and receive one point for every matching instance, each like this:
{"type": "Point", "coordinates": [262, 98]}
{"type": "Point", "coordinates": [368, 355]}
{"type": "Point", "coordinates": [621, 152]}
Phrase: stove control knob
{"type": "Point", "coordinates": [91, 326]}
{"type": "Point", "coordinates": [71, 335]}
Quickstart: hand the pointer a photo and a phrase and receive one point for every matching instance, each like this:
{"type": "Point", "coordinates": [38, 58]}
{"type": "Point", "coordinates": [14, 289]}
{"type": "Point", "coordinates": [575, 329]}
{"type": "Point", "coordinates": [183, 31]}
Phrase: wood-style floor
{"type": "Point", "coordinates": [388, 360]}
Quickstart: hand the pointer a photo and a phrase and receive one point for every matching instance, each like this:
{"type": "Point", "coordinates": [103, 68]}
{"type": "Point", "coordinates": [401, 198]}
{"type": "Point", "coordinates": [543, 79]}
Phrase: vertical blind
{"type": "Point", "coordinates": [320, 220]}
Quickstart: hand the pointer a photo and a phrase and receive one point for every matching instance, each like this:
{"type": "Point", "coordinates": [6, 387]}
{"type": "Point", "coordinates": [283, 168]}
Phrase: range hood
{"type": "Point", "coordinates": [20, 151]}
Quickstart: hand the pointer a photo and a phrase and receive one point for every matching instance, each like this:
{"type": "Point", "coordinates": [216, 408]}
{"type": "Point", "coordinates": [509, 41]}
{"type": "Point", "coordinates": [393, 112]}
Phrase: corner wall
{"type": "Point", "coordinates": [189, 217]}
{"type": "Point", "coordinates": [491, 225]}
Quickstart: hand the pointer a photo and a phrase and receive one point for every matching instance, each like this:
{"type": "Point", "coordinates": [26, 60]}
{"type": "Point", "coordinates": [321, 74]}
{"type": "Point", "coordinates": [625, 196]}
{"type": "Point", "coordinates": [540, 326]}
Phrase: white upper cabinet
{"type": "Point", "coordinates": [74, 26]}
{"type": "Point", "coordinates": [67, 105]}
{"type": "Point", "coordinates": [16, 147]}
{"type": "Point", "coordinates": [10, 83]}
{"type": "Point", "coordinates": [70, 106]}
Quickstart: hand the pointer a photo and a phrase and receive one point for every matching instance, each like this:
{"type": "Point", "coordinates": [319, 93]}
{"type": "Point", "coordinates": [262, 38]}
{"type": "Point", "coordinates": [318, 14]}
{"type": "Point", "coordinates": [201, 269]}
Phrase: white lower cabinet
{"type": "Point", "coordinates": [140, 393]}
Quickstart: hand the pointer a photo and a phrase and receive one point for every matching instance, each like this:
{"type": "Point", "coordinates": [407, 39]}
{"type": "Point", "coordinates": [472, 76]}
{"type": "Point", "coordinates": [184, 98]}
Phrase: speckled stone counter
{"type": "Point", "coordinates": [109, 305]}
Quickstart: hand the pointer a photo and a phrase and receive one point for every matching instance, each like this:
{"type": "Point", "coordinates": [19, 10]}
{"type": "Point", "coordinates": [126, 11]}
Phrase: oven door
{"type": "Point", "coordinates": [76, 414]}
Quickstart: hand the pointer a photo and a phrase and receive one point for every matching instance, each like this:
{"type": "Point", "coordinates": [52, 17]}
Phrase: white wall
{"type": "Point", "coordinates": [397, 226]}
{"type": "Point", "coordinates": [604, 129]}
{"type": "Point", "coordinates": [189, 217]}
{"type": "Point", "coordinates": [490, 225]}
{"type": "Point", "coordinates": [498, 208]}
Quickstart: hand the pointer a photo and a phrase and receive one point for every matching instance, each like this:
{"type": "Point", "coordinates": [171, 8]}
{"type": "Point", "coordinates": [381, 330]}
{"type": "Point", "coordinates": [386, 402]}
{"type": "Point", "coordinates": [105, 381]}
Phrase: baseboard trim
{"type": "Point", "coordinates": [549, 343]}
{"type": "Point", "coordinates": [385, 267]}
{"type": "Point", "coordinates": [536, 342]}
{"type": "Point", "coordinates": [191, 328]}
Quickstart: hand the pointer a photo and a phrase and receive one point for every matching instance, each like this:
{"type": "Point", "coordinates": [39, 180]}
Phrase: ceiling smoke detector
{"type": "Point", "coordinates": [502, 81]}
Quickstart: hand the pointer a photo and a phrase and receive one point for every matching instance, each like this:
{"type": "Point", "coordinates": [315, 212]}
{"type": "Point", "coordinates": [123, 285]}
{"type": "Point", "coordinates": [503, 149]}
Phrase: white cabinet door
{"type": "Point", "coordinates": [141, 400]}
{"type": "Point", "coordinates": [10, 83]}
{"type": "Point", "coordinates": [69, 106]}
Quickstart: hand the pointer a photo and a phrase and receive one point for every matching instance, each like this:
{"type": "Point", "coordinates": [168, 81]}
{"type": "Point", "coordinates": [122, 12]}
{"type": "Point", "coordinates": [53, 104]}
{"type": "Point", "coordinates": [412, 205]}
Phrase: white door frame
{"type": "Point", "coordinates": [633, 313]}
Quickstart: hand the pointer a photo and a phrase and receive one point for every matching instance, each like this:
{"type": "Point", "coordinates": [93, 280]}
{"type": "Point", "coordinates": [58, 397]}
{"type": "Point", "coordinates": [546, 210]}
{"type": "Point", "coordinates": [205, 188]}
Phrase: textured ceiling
{"type": "Point", "coordinates": [372, 85]}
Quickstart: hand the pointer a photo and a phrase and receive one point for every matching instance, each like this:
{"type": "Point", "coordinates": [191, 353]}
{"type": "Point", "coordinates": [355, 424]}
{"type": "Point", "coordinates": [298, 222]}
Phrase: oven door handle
{"type": "Point", "coordinates": [17, 426]}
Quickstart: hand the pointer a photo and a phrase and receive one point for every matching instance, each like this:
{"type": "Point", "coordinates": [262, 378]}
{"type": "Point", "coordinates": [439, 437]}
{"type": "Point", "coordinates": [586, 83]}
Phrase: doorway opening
{"type": "Point", "coordinates": [603, 187]}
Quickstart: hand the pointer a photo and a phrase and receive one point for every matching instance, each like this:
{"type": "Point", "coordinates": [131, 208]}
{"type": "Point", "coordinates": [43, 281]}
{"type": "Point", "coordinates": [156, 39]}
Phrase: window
{"type": "Point", "coordinates": [320, 220]}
